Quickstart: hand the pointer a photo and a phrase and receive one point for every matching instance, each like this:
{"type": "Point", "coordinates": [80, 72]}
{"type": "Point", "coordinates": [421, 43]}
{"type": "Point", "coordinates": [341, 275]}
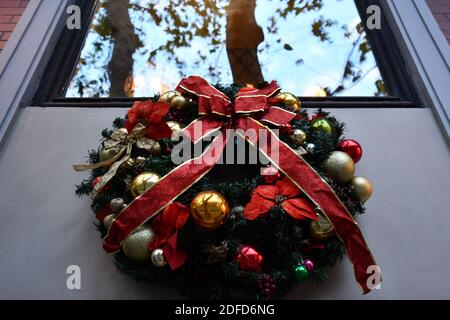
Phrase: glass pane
{"type": "Point", "coordinates": [137, 48]}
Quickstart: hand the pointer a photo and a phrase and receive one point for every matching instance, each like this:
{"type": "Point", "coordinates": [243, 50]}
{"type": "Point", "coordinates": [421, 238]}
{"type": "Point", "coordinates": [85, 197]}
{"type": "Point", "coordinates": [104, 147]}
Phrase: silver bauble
{"type": "Point", "coordinates": [310, 147]}
{"type": "Point", "coordinates": [135, 246]}
{"type": "Point", "coordinates": [116, 205]}
{"type": "Point", "coordinates": [158, 258]}
{"type": "Point", "coordinates": [108, 220]}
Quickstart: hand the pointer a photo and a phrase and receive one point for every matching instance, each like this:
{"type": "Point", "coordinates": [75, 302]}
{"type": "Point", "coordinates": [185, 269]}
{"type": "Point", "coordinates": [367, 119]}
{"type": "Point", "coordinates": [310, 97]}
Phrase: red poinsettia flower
{"type": "Point", "coordinates": [283, 193]}
{"type": "Point", "coordinates": [166, 226]}
{"type": "Point", "coordinates": [151, 114]}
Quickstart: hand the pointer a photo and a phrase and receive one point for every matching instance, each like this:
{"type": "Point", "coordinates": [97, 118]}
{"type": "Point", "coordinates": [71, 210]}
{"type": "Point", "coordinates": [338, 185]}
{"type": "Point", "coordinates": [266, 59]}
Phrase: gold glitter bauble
{"type": "Point", "coordinates": [135, 246]}
{"type": "Point", "coordinates": [321, 229]}
{"type": "Point", "coordinates": [298, 136]}
{"type": "Point", "coordinates": [362, 188]}
{"type": "Point", "coordinates": [108, 220]}
{"type": "Point", "coordinates": [290, 100]}
{"type": "Point", "coordinates": [323, 125]}
{"type": "Point", "coordinates": [142, 182]}
{"type": "Point", "coordinates": [158, 258]}
{"type": "Point", "coordinates": [176, 129]}
{"type": "Point", "coordinates": [339, 166]}
{"type": "Point", "coordinates": [209, 209]}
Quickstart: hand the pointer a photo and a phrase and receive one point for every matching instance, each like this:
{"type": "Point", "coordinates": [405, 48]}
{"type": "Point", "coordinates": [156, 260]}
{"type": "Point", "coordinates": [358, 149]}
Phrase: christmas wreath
{"type": "Point", "coordinates": [228, 229]}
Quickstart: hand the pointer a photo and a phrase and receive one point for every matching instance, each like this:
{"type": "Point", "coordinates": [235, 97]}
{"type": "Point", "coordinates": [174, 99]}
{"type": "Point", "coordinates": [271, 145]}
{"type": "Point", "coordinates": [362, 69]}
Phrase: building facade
{"type": "Point", "coordinates": [46, 228]}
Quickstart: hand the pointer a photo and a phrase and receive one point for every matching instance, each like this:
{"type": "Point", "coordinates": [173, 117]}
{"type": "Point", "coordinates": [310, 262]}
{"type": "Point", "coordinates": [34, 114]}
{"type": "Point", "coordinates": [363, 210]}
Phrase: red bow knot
{"type": "Point", "coordinates": [215, 105]}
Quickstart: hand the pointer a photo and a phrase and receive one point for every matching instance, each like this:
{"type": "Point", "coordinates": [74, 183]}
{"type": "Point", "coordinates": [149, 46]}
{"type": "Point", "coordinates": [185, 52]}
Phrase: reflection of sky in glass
{"type": "Point", "coordinates": [322, 65]}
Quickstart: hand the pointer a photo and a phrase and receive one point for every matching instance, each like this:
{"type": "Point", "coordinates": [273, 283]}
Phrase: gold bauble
{"type": "Point", "coordinates": [298, 136]}
{"type": "Point", "coordinates": [339, 166]}
{"type": "Point", "coordinates": [321, 229]}
{"type": "Point", "coordinates": [135, 246]}
{"type": "Point", "coordinates": [142, 182]}
{"type": "Point", "coordinates": [108, 220]}
{"type": "Point", "coordinates": [175, 99]}
{"type": "Point", "coordinates": [209, 209]}
{"type": "Point", "coordinates": [176, 129]}
{"type": "Point", "coordinates": [141, 160]}
{"type": "Point", "coordinates": [158, 258]}
{"type": "Point", "coordinates": [323, 125]}
{"type": "Point", "coordinates": [362, 188]}
{"type": "Point", "coordinates": [290, 100]}
{"type": "Point", "coordinates": [129, 164]}
{"type": "Point", "coordinates": [168, 96]}
{"type": "Point", "coordinates": [107, 154]}
{"type": "Point", "coordinates": [156, 149]}
{"type": "Point", "coordinates": [179, 103]}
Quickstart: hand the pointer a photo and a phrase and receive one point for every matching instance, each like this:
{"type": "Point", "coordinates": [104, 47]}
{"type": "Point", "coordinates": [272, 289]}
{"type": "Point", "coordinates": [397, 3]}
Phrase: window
{"type": "Point", "coordinates": [317, 49]}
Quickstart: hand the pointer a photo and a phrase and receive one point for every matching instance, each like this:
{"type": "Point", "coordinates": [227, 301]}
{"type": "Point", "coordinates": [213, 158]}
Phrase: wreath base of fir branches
{"type": "Point", "coordinates": [283, 241]}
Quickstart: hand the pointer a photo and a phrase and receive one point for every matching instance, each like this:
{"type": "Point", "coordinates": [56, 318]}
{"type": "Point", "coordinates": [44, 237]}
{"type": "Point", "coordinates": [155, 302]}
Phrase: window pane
{"type": "Point", "coordinates": [137, 48]}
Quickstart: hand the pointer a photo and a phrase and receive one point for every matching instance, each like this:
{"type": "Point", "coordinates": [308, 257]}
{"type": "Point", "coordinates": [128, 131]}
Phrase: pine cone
{"type": "Point", "coordinates": [216, 253]}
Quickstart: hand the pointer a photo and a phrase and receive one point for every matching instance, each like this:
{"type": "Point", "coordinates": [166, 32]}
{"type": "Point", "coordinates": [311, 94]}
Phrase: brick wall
{"type": "Point", "coordinates": [441, 11]}
{"type": "Point", "coordinates": [10, 13]}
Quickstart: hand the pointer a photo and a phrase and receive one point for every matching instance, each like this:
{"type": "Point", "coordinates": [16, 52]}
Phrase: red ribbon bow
{"type": "Point", "coordinates": [166, 227]}
{"type": "Point", "coordinates": [219, 112]}
{"type": "Point", "coordinates": [249, 110]}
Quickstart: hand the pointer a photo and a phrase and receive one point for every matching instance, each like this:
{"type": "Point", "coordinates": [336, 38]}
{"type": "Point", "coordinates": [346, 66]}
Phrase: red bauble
{"type": "Point", "coordinates": [286, 130]}
{"type": "Point", "coordinates": [352, 148]}
{"type": "Point", "coordinates": [270, 174]}
{"type": "Point", "coordinates": [249, 259]}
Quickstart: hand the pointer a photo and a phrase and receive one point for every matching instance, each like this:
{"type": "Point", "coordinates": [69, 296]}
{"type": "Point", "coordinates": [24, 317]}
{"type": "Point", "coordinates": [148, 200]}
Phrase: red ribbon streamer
{"type": "Point", "coordinates": [250, 109]}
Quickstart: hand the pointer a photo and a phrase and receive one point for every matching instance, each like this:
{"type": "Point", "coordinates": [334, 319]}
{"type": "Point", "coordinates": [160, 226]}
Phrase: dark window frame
{"type": "Point", "coordinates": [392, 67]}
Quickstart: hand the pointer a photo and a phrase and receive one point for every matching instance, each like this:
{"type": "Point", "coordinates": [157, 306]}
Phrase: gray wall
{"type": "Point", "coordinates": [45, 228]}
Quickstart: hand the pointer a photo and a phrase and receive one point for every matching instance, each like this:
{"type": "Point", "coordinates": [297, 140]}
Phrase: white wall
{"type": "Point", "coordinates": [45, 227]}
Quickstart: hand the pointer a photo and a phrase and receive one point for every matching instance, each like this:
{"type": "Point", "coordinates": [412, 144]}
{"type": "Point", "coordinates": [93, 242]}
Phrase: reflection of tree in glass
{"type": "Point", "coordinates": [352, 72]}
{"type": "Point", "coordinates": [184, 20]}
{"type": "Point", "coordinates": [107, 67]}
{"type": "Point", "coordinates": [91, 77]}
{"type": "Point", "coordinates": [125, 44]}
{"type": "Point", "coordinates": [116, 40]}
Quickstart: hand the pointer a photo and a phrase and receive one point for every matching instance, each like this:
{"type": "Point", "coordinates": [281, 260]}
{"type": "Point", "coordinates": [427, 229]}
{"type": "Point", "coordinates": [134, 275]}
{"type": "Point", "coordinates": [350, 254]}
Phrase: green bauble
{"type": "Point", "coordinates": [322, 125]}
{"type": "Point", "coordinates": [301, 273]}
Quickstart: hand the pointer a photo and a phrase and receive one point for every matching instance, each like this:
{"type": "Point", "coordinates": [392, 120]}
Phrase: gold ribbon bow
{"type": "Point", "coordinates": [122, 140]}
